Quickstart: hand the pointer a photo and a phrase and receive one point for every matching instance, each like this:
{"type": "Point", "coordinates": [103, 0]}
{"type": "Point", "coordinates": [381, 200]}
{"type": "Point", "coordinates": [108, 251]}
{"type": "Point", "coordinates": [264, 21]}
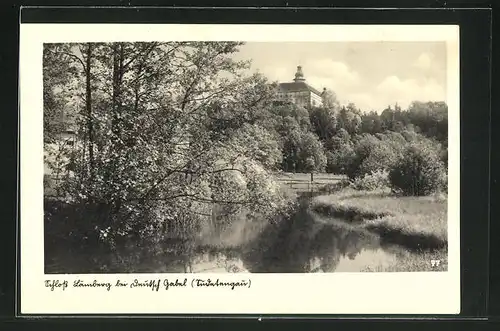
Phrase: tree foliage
{"type": "Point", "coordinates": [324, 122]}
{"type": "Point", "coordinates": [349, 119]}
{"type": "Point", "coordinates": [330, 100]}
{"type": "Point", "coordinates": [419, 171]}
{"type": "Point", "coordinates": [175, 128]}
{"type": "Point", "coordinates": [340, 152]}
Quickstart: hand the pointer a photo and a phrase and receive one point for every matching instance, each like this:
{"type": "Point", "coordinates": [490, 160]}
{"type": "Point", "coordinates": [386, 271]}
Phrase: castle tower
{"type": "Point", "coordinates": [299, 92]}
{"type": "Point", "coordinates": [299, 75]}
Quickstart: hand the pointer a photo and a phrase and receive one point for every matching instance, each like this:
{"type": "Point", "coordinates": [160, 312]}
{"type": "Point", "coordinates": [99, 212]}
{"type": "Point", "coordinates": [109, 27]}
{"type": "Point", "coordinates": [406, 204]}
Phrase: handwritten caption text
{"type": "Point", "coordinates": [152, 284]}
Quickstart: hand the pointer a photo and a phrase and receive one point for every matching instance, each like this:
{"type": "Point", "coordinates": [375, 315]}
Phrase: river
{"type": "Point", "coordinates": [304, 243]}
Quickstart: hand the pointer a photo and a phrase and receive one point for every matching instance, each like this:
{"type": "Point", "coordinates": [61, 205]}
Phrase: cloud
{"type": "Point", "coordinates": [334, 75]}
{"type": "Point", "coordinates": [403, 91]}
{"type": "Point", "coordinates": [339, 72]}
{"type": "Point", "coordinates": [278, 73]}
{"type": "Point", "coordinates": [424, 61]}
{"type": "Point", "coordinates": [392, 90]}
{"type": "Point", "coordinates": [318, 72]}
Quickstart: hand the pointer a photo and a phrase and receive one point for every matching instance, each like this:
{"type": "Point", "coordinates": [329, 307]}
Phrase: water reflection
{"type": "Point", "coordinates": [302, 244]}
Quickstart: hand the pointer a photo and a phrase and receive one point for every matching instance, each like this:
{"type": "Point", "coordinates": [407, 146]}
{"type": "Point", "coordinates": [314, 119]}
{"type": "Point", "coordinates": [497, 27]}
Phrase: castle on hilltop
{"type": "Point", "coordinates": [299, 92]}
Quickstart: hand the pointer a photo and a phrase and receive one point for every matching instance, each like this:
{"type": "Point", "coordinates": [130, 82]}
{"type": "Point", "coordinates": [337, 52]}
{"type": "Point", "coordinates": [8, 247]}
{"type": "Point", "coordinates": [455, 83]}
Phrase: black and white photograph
{"type": "Point", "coordinates": [245, 157]}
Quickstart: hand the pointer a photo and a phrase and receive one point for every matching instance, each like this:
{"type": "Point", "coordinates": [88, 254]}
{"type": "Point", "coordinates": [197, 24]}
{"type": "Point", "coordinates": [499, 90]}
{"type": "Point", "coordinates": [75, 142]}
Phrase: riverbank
{"type": "Point", "coordinates": [418, 224]}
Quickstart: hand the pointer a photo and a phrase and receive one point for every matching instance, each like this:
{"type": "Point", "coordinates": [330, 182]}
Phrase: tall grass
{"type": "Point", "coordinates": [410, 215]}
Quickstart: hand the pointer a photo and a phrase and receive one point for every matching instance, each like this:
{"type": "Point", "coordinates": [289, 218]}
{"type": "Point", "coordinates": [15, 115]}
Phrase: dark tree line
{"type": "Point", "coordinates": [332, 136]}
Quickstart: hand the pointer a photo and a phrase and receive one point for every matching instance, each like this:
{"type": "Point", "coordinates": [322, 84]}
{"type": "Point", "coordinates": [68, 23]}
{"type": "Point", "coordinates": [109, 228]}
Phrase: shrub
{"type": "Point", "coordinates": [419, 171]}
{"type": "Point", "coordinates": [303, 152]}
{"type": "Point", "coordinates": [381, 158]}
{"type": "Point", "coordinates": [339, 152]}
{"type": "Point", "coordinates": [338, 161]}
{"type": "Point", "coordinates": [363, 146]}
{"type": "Point", "coordinates": [311, 154]}
{"type": "Point", "coordinates": [373, 154]}
{"type": "Point", "coordinates": [374, 180]}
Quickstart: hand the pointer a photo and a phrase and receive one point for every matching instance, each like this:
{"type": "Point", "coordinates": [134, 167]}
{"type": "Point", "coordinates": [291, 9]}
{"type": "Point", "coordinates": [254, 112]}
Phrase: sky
{"type": "Point", "coordinates": [372, 75]}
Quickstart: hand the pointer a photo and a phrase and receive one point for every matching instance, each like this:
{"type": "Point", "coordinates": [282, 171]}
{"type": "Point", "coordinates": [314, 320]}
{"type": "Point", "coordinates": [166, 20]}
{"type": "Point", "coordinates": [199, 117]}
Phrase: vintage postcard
{"type": "Point", "coordinates": [239, 169]}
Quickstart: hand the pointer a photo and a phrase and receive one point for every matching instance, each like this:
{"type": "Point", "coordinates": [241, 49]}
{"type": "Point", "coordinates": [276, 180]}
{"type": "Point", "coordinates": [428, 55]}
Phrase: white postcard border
{"type": "Point", "coordinates": [335, 293]}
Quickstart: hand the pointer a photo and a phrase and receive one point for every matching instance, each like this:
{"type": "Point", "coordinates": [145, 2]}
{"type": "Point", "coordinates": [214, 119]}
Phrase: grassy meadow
{"type": "Point", "coordinates": [410, 215]}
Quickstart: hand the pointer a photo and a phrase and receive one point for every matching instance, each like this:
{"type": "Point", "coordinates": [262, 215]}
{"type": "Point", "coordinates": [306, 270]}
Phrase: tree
{"type": "Point", "coordinates": [374, 153]}
{"type": "Point", "coordinates": [290, 136]}
{"type": "Point", "coordinates": [387, 118]}
{"type": "Point", "coordinates": [419, 171]}
{"type": "Point", "coordinates": [58, 80]}
{"type": "Point", "coordinates": [291, 112]}
{"type": "Point", "coordinates": [349, 119]}
{"type": "Point", "coordinates": [311, 154]}
{"type": "Point", "coordinates": [431, 118]}
{"type": "Point", "coordinates": [330, 100]}
{"type": "Point", "coordinates": [371, 123]}
{"type": "Point", "coordinates": [149, 114]}
{"type": "Point", "coordinates": [339, 152]}
{"type": "Point", "coordinates": [383, 154]}
{"type": "Point", "coordinates": [324, 122]}
{"type": "Point", "coordinates": [303, 152]}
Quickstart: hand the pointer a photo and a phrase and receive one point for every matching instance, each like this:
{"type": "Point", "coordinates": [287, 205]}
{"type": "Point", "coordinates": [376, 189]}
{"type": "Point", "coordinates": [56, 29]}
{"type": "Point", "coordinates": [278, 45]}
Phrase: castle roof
{"type": "Point", "coordinates": [298, 84]}
{"type": "Point", "coordinates": [298, 87]}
